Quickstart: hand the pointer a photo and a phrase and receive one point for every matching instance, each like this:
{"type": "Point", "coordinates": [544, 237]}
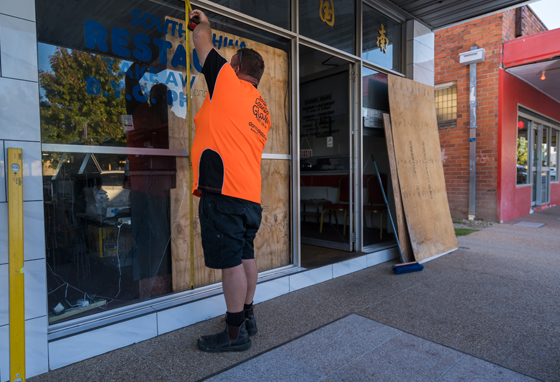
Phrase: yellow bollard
{"type": "Point", "coordinates": [188, 9]}
{"type": "Point", "coordinates": [17, 297]}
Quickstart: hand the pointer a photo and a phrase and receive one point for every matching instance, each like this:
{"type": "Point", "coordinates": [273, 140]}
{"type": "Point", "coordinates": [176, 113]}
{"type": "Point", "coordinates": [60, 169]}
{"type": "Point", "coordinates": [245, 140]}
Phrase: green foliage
{"type": "Point", "coordinates": [522, 150]}
{"type": "Point", "coordinates": [67, 110]}
{"type": "Point", "coordinates": [464, 231]}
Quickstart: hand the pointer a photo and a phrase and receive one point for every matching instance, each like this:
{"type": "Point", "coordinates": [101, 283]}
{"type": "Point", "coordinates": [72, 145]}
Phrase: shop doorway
{"type": "Point", "coordinates": [326, 173]}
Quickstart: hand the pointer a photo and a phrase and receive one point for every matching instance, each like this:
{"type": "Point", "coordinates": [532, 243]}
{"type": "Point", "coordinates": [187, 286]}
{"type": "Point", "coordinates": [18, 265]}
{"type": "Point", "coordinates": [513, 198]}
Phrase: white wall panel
{"type": "Point", "coordinates": [24, 9]}
{"type": "Point", "coordinates": [4, 244]}
{"type": "Point", "coordinates": [90, 344]}
{"type": "Point", "coordinates": [35, 288]}
{"type": "Point", "coordinates": [19, 110]}
{"type": "Point", "coordinates": [34, 231]}
{"type": "Point", "coordinates": [4, 295]}
{"type": "Point", "coordinates": [36, 347]}
{"type": "Point", "coordinates": [4, 353]}
{"type": "Point", "coordinates": [18, 43]}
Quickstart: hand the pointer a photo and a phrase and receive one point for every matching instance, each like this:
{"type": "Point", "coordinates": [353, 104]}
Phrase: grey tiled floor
{"type": "Point", "coordinates": [356, 348]}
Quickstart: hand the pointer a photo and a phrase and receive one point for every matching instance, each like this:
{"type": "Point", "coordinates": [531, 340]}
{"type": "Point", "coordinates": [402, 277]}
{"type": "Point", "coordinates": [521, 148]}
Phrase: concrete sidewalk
{"type": "Point", "coordinates": [487, 312]}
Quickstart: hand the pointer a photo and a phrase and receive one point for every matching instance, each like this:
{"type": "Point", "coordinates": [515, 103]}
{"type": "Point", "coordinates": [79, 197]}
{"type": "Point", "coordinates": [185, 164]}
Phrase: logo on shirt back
{"type": "Point", "coordinates": [260, 111]}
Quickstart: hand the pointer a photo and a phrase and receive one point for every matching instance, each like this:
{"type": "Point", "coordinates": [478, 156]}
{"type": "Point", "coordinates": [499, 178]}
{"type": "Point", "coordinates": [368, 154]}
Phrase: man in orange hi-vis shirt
{"type": "Point", "coordinates": [231, 130]}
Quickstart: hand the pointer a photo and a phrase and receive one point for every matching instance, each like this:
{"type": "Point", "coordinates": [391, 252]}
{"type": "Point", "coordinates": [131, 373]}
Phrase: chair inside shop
{"type": "Point", "coordinates": [375, 203]}
{"type": "Point", "coordinates": [342, 203]}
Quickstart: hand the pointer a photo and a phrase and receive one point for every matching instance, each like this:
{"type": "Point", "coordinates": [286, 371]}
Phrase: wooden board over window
{"type": "Point", "coordinates": [420, 168]}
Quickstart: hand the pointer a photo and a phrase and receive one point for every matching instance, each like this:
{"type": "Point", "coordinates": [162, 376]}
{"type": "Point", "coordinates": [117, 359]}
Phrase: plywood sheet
{"type": "Point", "coordinates": [420, 168]}
{"type": "Point", "coordinates": [404, 238]}
{"type": "Point", "coordinates": [272, 242]}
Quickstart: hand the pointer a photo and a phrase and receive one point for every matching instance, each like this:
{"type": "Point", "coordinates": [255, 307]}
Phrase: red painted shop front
{"type": "Point", "coordinates": [529, 125]}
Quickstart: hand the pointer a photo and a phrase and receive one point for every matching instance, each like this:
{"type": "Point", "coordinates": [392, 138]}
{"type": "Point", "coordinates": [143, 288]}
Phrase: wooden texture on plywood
{"type": "Point", "coordinates": [272, 244]}
{"type": "Point", "coordinates": [404, 238]}
{"type": "Point", "coordinates": [420, 168]}
{"type": "Point", "coordinates": [272, 247]}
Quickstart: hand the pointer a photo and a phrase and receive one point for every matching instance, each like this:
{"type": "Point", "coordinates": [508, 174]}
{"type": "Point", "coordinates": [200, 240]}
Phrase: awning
{"type": "Point", "coordinates": [439, 14]}
{"type": "Point", "coordinates": [535, 59]}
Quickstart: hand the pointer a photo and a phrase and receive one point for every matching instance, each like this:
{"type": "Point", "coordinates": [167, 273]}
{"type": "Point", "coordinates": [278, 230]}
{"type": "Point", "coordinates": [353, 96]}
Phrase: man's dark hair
{"type": "Point", "coordinates": [251, 63]}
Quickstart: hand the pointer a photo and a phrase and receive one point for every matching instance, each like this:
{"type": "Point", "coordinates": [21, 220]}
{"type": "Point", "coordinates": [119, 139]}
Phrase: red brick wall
{"type": "Point", "coordinates": [484, 33]}
{"type": "Point", "coordinates": [531, 24]}
{"type": "Point", "coordinates": [488, 33]}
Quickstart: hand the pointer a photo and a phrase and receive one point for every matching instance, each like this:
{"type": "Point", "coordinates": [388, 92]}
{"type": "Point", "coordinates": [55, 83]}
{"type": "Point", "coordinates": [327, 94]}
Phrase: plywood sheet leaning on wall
{"type": "Point", "coordinates": [272, 247]}
{"type": "Point", "coordinates": [420, 168]}
{"type": "Point", "coordinates": [404, 238]}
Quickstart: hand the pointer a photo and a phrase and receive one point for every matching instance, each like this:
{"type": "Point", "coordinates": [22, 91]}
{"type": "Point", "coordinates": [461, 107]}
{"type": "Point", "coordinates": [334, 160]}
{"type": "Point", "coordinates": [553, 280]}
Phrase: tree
{"type": "Point", "coordinates": [69, 112]}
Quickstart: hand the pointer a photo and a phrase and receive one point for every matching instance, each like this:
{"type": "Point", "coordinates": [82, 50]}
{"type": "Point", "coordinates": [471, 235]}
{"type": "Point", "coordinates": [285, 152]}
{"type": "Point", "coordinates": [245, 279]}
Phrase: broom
{"type": "Point", "coordinates": [413, 266]}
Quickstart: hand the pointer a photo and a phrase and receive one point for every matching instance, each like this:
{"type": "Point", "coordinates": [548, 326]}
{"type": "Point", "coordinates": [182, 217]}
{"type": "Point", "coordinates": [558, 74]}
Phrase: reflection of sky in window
{"type": "Point", "coordinates": [378, 57]}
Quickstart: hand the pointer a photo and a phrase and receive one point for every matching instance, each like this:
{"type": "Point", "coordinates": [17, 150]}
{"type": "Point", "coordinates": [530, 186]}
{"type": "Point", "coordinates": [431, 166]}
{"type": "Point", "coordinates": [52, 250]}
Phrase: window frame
{"type": "Point", "coordinates": [538, 124]}
{"type": "Point", "coordinates": [447, 123]}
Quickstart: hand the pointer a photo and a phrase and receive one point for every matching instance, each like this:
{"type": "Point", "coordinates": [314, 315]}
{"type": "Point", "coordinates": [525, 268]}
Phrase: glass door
{"type": "Point", "coordinates": [545, 165]}
{"type": "Point", "coordinates": [541, 163]}
{"type": "Point", "coordinates": [326, 177]}
{"type": "Point", "coordinates": [376, 228]}
{"type": "Point", "coordinates": [535, 161]}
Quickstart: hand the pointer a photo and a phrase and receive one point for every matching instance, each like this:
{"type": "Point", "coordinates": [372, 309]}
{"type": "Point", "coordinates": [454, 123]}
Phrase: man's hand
{"type": "Point", "coordinates": [202, 36]}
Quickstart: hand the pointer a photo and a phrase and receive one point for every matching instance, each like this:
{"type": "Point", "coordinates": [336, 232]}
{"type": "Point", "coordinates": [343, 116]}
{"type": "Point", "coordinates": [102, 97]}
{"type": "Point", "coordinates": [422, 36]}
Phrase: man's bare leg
{"type": "Point", "coordinates": [251, 273]}
{"type": "Point", "coordinates": [234, 282]}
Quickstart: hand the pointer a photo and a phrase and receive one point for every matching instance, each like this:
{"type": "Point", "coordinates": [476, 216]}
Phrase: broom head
{"type": "Point", "coordinates": [407, 267]}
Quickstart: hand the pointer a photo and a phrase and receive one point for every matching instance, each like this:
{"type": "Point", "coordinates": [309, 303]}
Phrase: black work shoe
{"type": "Point", "coordinates": [250, 321]}
{"type": "Point", "coordinates": [233, 338]}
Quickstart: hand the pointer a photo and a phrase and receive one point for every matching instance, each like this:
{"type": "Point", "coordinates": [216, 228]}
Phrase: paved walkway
{"type": "Point", "coordinates": [356, 348]}
{"type": "Point", "coordinates": [487, 312]}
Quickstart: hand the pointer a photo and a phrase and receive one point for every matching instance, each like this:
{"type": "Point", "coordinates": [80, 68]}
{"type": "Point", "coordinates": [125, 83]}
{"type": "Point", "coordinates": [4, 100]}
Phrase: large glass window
{"type": "Point", "coordinates": [523, 126]}
{"type": "Point", "coordinates": [331, 22]}
{"type": "Point", "coordinates": [276, 12]}
{"type": "Point", "coordinates": [113, 105]}
{"type": "Point", "coordinates": [382, 39]}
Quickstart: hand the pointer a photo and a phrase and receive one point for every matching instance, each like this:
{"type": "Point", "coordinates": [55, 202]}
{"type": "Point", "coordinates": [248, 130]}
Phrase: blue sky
{"type": "Point", "coordinates": [548, 11]}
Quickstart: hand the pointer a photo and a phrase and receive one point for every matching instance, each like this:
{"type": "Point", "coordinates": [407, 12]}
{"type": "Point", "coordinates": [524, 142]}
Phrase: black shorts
{"type": "Point", "coordinates": [228, 228]}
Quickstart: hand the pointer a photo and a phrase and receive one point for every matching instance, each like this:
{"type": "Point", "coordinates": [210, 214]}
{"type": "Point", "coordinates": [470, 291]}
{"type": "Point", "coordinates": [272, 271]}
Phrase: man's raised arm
{"type": "Point", "coordinates": [202, 36]}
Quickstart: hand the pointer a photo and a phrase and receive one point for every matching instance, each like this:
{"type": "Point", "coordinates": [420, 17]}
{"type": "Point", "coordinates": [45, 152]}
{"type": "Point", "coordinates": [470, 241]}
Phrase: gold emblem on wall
{"type": "Point", "coordinates": [326, 11]}
{"type": "Point", "coordinates": [382, 40]}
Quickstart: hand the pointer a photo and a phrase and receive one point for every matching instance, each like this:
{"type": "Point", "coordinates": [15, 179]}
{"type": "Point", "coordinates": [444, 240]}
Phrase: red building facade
{"type": "Point", "coordinates": [500, 96]}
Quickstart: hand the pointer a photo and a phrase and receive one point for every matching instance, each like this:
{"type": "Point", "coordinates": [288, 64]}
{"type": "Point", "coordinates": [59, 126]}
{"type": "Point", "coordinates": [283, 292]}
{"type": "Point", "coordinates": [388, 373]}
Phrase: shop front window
{"type": "Point", "coordinates": [113, 103]}
{"type": "Point", "coordinates": [331, 22]}
{"type": "Point", "coordinates": [381, 39]}
{"type": "Point", "coordinates": [276, 12]}
{"type": "Point", "coordinates": [523, 128]}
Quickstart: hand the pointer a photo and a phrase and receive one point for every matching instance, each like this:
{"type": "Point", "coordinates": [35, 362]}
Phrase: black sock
{"type": "Point", "coordinates": [250, 306]}
{"type": "Point", "coordinates": [235, 319]}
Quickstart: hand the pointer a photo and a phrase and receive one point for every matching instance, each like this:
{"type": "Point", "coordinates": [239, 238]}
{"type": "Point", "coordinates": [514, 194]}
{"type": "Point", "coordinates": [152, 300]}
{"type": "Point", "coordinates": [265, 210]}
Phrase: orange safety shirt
{"type": "Point", "coordinates": [231, 131]}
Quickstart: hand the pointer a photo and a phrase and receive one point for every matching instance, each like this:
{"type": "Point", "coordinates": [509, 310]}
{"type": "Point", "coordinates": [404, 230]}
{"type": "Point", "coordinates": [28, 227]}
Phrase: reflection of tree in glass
{"type": "Point", "coordinates": [68, 113]}
{"type": "Point", "coordinates": [521, 151]}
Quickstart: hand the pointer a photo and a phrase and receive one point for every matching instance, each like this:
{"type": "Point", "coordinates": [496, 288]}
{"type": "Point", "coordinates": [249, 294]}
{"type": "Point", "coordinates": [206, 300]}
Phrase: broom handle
{"type": "Point", "coordinates": [387, 205]}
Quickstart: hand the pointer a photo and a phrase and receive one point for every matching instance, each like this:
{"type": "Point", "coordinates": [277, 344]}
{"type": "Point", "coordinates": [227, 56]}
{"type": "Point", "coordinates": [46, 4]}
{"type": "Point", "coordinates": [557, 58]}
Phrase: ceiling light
{"type": "Point", "coordinates": [543, 77]}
